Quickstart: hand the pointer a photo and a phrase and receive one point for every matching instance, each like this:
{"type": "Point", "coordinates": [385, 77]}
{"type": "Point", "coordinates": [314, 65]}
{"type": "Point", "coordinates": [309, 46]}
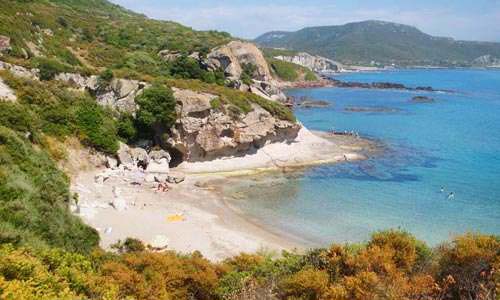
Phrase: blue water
{"type": "Point", "coordinates": [453, 143]}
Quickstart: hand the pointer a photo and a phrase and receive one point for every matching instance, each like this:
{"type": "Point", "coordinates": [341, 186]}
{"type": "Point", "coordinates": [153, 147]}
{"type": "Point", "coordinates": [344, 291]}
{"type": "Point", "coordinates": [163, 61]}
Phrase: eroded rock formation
{"type": "Point", "coordinates": [202, 133]}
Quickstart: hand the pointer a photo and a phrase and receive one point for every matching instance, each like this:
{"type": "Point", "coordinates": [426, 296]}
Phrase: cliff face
{"type": "Point", "coordinates": [315, 63]}
{"type": "Point", "coordinates": [205, 133]}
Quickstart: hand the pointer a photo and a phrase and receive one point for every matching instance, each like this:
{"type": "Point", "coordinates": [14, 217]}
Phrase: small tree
{"type": "Point", "coordinates": [156, 111]}
{"type": "Point", "coordinates": [248, 73]}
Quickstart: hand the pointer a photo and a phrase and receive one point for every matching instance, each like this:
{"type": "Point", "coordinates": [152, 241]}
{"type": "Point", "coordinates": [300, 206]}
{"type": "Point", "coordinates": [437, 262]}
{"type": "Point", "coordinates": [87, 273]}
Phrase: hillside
{"type": "Point", "coordinates": [382, 42]}
{"type": "Point", "coordinates": [91, 35]}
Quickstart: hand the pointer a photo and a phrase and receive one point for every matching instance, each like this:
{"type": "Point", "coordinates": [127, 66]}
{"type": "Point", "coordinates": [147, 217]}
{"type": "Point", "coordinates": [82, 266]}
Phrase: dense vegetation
{"type": "Point", "coordinates": [113, 37]}
{"type": "Point", "coordinates": [380, 42]}
{"type": "Point", "coordinates": [392, 265]}
{"type": "Point", "coordinates": [284, 70]}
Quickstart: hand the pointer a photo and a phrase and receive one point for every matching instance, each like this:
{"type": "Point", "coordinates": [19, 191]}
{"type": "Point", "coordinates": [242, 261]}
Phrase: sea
{"type": "Point", "coordinates": [431, 151]}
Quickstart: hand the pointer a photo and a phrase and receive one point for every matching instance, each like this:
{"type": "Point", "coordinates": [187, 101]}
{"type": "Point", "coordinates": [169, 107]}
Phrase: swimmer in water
{"type": "Point", "coordinates": [451, 196]}
{"type": "Point", "coordinates": [442, 189]}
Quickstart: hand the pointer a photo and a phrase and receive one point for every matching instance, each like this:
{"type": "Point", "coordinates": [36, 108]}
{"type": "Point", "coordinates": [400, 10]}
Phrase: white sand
{"type": "Point", "coordinates": [208, 225]}
{"type": "Point", "coordinates": [308, 149]}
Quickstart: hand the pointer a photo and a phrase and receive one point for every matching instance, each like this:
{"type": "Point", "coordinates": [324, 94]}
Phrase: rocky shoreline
{"type": "Point", "coordinates": [193, 204]}
{"type": "Point", "coordinates": [329, 82]}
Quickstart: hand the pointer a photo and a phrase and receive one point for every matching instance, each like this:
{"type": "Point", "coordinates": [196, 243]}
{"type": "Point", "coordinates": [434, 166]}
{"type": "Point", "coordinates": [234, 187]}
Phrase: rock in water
{"type": "Point", "coordinates": [422, 99]}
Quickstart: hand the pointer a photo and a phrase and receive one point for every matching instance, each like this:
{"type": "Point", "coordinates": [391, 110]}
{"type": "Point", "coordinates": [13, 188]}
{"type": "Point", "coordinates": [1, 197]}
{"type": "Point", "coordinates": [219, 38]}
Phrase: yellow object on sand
{"type": "Point", "coordinates": [175, 218]}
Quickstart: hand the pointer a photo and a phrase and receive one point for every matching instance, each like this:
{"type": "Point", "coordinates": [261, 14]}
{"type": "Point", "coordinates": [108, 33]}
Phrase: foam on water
{"type": "Point", "coordinates": [453, 143]}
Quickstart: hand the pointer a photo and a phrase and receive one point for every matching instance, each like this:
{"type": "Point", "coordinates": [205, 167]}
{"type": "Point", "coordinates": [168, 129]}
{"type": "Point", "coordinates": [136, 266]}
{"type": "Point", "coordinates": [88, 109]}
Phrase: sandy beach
{"type": "Point", "coordinates": [192, 215]}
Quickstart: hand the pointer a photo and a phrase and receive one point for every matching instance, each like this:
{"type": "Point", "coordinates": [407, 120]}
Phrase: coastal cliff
{"type": "Point", "coordinates": [316, 63]}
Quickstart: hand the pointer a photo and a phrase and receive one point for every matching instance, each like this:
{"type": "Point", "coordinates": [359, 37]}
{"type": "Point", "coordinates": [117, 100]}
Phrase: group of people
{"type": "Point", "coordinates": [162, 187]}
{"type": "Point", "coordinates": [345, 132]}
{"type": "Point", "coordinates": [451, 195]}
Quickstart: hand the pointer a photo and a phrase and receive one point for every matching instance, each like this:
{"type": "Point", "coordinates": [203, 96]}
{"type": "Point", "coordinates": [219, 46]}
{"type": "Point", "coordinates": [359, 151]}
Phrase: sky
{"type": "Point", "coordinates": [460, 19]}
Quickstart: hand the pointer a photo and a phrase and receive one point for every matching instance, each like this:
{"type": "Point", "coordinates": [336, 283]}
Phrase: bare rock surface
{"type": "Point", "coordinates": [6, 93]}
{"type": "Point", "coordinates": [20, 71]}
{"type": "Point", "coordinates": [233, 56]}
{"type": "Point", "coordinates": [312, 62]}
{"type": "Point", "coordinates": [202, 133]}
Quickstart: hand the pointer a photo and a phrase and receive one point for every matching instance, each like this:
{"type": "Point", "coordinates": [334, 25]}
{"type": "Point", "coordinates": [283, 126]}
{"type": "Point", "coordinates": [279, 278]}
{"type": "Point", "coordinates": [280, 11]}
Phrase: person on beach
{"type": "Point", "coordinates": [162, 187]}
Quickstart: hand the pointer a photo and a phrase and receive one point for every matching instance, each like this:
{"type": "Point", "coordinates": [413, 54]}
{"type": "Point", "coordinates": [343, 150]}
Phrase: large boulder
{"type": "Point", "coordinates": [232, 57]}
{"type": "Point", "coordinates": [120, 94]}
{"type": "Point", "coordinates": [159, 162]}
{"type": "Point", "coordinates": [193, 104]}
{"type": "Point", "coordinates": [132, 157]}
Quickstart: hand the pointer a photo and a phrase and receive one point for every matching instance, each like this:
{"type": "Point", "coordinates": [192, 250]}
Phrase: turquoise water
{"type": "Point", "coordinates": [453, 143]}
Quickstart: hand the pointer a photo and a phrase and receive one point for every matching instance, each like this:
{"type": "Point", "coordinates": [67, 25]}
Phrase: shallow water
{"type": "Point", "coordinates": [453, 143]}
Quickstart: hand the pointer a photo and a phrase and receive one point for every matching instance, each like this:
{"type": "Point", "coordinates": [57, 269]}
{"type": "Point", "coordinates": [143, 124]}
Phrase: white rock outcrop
{"type": "Point", "coordinates": [6, 93]}
{"type": "Point", "coordinates": [20, 71]}
{"type": "Point", "coordinates": [313, 62]}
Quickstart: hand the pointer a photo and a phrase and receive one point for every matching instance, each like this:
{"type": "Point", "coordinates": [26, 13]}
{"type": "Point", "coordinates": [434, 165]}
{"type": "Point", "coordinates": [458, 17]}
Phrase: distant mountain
{"type": "Point", "coordinates": [381, 42]}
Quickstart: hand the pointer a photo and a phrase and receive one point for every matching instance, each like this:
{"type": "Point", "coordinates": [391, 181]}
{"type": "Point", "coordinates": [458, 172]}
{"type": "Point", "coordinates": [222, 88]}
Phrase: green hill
{"type": "Point", "coordinates": [381, 42]}
{"type": "Point", "coordinates": [95, 34]}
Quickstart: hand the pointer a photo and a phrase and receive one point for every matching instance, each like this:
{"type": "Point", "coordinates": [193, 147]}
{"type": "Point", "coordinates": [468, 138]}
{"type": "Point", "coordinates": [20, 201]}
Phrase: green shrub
{"type": "Point", "coordinates": [105, 77]}
{"type": "Point", "coordinates": [156, 109]}
{"type": "Point", "coordinates": [49, 68]}
{"type": "Point", "coordinates": [126, 127]}
{"type": "Point", "coordinates": [248, 73]}
{"type": "Point", "coordinates": [34, 196]}
{"type": "Point", "coordinates": [187, 67]}
{"type": "Point", "coordinates": [18, 118]}
{"type": "Point", "coordinates": [284, 70]}
{"type": "Point", "coordinates": [97, 129]}
{"type": "Point", "coordinates": [310, 76]}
